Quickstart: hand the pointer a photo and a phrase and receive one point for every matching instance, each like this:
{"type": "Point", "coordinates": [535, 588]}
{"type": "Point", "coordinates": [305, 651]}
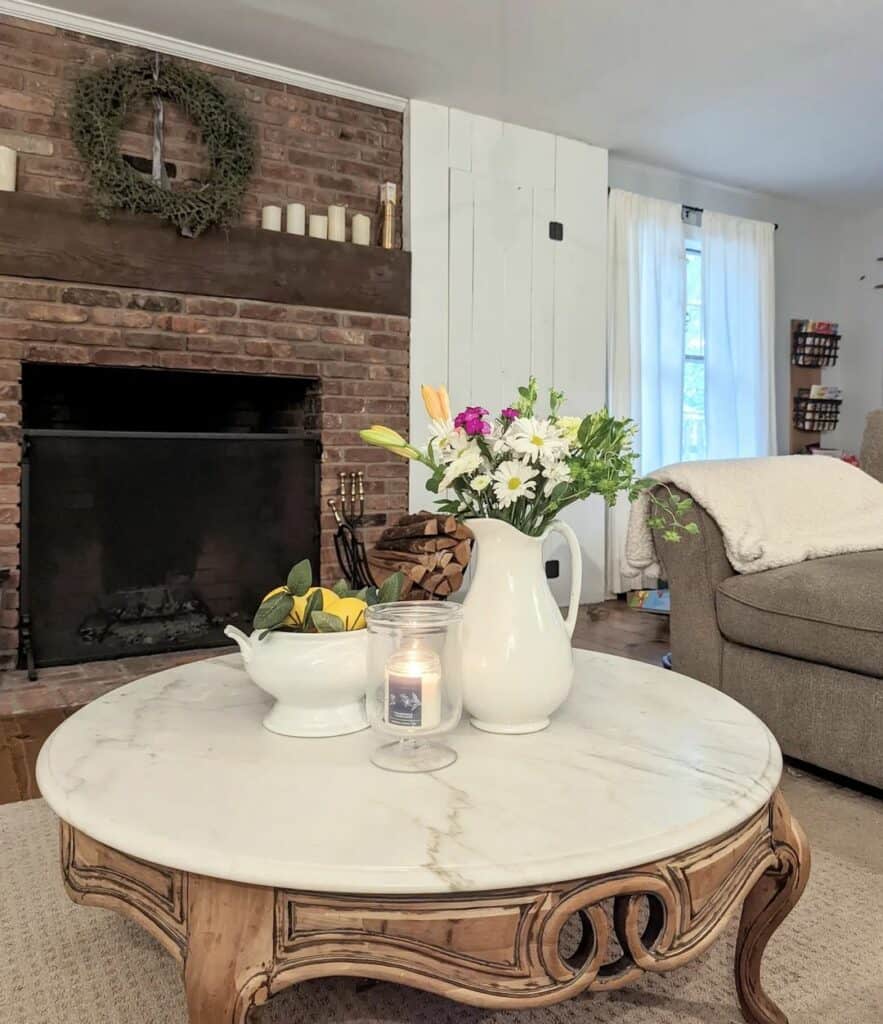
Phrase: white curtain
{"type": "Point", "coordinates": [738, 303]}
{"type": "Point", "coordinates": [646, 309]}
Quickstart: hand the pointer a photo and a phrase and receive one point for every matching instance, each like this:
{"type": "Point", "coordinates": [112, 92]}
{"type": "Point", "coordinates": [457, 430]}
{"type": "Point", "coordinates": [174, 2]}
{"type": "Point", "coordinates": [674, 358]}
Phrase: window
{"type": "Point", "coordinates": [693, 442]}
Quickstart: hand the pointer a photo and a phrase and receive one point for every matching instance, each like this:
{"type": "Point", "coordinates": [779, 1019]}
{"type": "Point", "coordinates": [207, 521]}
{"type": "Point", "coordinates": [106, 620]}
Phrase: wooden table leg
{"type": "Point", "coordinates": [230, 949]}
{"type": "Point", "coordinates": [765, 908]}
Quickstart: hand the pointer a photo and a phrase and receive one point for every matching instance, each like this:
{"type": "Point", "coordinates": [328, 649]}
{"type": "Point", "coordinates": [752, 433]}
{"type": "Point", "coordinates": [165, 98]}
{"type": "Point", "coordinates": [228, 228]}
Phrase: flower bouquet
{"type": "Point", "coordinates": [525, 468]}
{"type": "Point", "coordinates": [510, 477]}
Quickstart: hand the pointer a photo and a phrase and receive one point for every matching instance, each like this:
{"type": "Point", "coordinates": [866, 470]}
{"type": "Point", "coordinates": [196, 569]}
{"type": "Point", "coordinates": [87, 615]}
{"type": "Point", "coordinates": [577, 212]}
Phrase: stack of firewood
{"type": "Point", "coordinates": [431, 550]}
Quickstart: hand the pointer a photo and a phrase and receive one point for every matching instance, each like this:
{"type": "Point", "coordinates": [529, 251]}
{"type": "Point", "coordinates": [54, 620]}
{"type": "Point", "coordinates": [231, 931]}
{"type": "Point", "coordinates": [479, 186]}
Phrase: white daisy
{"type": "Point", "coordinates": [559, 473]}
{"type": "Point", "coordinates": [449, 441]}
{"type": "Point", "coordinates": [514, 480]}
{"type": "Point", "coordinates": [536, 439]}
{"type": "Point", "coordinates": [467, 461]}
{"type": "Point", "coordinates": [480, 483]}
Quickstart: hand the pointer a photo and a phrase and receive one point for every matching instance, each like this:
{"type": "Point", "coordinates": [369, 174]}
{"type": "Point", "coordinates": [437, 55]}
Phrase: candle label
{"type": "Point", "coordinates": [405, 700]}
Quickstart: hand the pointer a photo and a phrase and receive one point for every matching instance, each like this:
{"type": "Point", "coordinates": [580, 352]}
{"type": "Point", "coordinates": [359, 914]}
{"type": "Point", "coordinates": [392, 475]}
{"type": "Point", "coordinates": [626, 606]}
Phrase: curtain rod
{"type": "Point", "coordinates": [694, 209]}
{"type": "Point", "coordinates": [699, 209]}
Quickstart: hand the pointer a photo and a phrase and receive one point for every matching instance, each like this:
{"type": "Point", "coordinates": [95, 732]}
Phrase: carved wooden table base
{"type": "Point", "coordinates": [240, 944]}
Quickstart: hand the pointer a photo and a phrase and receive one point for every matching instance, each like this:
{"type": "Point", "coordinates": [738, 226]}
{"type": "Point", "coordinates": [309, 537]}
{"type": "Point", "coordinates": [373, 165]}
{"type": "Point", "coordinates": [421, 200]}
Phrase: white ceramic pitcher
{"type": "Point", "coordinates": [517, 656]}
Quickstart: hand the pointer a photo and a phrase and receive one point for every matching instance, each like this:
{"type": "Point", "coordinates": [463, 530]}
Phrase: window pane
{"type": "Point", "coordinates": [694, 343]}
{"type": "Point", "coordinates": [693, 431]}
{"type": "Point", "coordinates": [694, 277]}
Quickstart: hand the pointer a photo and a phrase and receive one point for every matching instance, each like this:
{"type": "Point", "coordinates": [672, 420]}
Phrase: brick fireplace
{"type": "Point", "coordinates": [359, 363]}
{"type": "Point", "coordinates": [353, 358]}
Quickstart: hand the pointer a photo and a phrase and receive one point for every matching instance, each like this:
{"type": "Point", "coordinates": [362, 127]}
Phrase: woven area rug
{"type": "Point", "coordinates": [62, 964]}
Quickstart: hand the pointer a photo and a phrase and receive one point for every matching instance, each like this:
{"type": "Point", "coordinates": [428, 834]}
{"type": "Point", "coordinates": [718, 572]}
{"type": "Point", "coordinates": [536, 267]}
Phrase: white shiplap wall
{"type": "Point", "coordinates": [493, 297]}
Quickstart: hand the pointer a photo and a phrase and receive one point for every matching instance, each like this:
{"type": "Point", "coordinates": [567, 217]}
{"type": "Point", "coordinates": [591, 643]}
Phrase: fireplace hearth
{"type": "Point", "coordinates": [157, 506]}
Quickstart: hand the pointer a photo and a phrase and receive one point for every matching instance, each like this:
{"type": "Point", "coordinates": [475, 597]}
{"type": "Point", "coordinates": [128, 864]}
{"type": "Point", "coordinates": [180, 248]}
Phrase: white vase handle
{"type": "Point", "coordinates": [576, 573]}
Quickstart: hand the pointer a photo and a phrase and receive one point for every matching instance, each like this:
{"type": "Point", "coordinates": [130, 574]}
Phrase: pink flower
{"type": "Point", "coordinates": [471, 420]}
{"type": "Point", "coordinates": [509, 413]}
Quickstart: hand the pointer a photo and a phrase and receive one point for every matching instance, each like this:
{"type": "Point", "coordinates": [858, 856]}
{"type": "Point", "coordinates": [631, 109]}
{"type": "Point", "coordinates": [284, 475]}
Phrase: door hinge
{"type": "Point", "coordinates": [556, 230]}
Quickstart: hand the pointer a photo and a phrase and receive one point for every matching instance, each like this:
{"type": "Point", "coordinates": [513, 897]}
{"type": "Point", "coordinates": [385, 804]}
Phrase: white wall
{"type": "Point", "coordinates": [493, 297]}
{"type": "Point", "coordinates": [859, 371]}
{"type": "Point", "coordinates": [812, 274]}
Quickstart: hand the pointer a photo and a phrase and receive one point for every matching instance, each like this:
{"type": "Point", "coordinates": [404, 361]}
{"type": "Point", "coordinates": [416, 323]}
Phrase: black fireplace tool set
{"type": "Point", "coordinates": [348, 544]}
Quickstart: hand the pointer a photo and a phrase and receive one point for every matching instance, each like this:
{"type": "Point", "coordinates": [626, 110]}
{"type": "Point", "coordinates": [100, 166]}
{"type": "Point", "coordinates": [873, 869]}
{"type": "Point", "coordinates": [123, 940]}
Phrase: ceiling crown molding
{"type": "Point", "coordinates": [193, 51]}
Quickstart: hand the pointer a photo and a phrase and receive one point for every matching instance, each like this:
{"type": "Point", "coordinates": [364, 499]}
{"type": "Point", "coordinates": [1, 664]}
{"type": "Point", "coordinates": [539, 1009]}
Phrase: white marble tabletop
{"type": "Point", "coordinates": [639, 764]}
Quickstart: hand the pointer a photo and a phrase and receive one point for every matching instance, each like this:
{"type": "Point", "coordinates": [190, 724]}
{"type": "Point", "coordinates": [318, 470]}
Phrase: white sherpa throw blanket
{"type": "Point", "coordinates": [771, 511]}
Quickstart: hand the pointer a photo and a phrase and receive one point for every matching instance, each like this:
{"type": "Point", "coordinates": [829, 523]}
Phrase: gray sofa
{"type": "Point", "coordinates": [802, 645]}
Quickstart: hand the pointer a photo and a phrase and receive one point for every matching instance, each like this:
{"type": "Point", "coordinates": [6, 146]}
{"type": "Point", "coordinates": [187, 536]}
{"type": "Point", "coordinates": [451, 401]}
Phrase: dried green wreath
{"type": "Point", "coordinates": [104, 99]}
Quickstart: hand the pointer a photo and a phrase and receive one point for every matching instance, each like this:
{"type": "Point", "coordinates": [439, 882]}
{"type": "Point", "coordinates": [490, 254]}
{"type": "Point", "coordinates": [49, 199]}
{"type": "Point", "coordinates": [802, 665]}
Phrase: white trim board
{"type": "Point", "coordinates": [194, 51]}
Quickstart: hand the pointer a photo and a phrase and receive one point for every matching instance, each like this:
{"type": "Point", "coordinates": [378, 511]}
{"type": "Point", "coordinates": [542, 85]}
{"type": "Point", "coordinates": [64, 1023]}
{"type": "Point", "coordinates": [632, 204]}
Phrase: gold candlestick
{"type": "Point", "coordinates": [388, 209]}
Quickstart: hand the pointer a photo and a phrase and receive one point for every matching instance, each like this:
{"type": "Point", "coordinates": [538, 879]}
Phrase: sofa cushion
{"type": "Point", "coordinates": [827, 610]}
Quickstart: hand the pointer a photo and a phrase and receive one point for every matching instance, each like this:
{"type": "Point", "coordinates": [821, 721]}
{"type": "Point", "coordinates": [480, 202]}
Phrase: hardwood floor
{"type": "Point", "coordinates": [30, 711]}
{"type": "Point", "coordinates": [614, 628]}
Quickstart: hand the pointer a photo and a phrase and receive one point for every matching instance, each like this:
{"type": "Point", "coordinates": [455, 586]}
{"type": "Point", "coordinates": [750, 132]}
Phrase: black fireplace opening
{"type": "Point", "coordinates": [159, 505]}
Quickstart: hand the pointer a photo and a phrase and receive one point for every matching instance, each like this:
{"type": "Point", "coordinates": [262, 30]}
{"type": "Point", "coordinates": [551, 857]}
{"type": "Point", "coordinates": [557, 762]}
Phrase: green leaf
{"type": "Point", "coordinates": [371, 596]}
{"type": "Point", "coordinates": [300, 579]}
{"type": "Point", "coordinates": [341, 588]}
{"type": "Point", "coordinates": [691, 528]}
{"type": "Point", "coordinates": [315, 603]}
{"type": "Point", "coordinates": [672, 536]}
{"type": "Point", "coordinates": [433, 482]}
{"type": "Point", "coordinates": [325, 622]}
{"type": "Point", "coordinates": [274, 611]}
{"type": "Point", "coordinates": [391, 590]}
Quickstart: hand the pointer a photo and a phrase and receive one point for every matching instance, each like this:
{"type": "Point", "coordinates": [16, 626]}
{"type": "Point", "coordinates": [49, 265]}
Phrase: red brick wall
{"type": "Point", "coordinates": [312, 148]}
{"type": "Point", "coordinates": [361, 361]}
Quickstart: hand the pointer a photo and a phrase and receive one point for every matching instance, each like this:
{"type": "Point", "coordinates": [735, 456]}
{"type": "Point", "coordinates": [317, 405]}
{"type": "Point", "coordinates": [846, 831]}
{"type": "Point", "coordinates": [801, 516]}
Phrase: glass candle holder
{"type": "Point", "coordinates": [415, 691]}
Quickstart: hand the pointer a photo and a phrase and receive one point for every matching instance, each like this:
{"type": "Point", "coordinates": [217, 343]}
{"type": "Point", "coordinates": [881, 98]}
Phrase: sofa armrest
{"type": "Point", "coordinates": [693, 568]}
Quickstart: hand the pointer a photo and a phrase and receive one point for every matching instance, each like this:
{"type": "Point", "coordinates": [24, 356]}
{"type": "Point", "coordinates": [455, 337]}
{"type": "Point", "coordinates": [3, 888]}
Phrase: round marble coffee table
{"type": "Point", "coordinates": [260, 861]}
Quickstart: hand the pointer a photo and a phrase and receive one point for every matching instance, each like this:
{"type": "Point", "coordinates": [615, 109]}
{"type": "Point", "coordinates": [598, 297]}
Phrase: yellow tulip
{"type": "Point", "coordinates": [438, 405]}
{"type": "Point", "coordinates": [445, 402]}
{"type": "Point", "coordinates": [391, 440]}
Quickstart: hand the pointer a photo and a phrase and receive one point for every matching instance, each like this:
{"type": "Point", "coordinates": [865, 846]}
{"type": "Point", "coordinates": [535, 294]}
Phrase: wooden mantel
{"type": "Point", "coordinates": [59, 240]}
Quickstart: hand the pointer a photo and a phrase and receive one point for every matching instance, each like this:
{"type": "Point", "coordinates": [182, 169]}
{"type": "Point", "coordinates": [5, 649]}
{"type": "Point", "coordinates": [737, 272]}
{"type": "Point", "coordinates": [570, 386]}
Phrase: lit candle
{"type": "Point", "coordinates": [318, 225]}
{"type": "Point", "coordinates": [8, 159]}
{"type": "Point", "coordinates": [271, 218]}
{"type": "Point", "coordinates": [295, 218]}
{"type": "Point", "coordinates": [361, 229]}
{"type": "Point", "coordinates": [337, 223]}
{"type": "Point", "coordinates": [413, 689]}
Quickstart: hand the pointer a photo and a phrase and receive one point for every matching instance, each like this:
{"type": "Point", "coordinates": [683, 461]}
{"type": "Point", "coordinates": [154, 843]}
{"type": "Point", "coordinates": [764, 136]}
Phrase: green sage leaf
{"type": "Point", "coordinates": [274, 611]}
{"type": "Point", "coordinates": [325, 622]}
{"type": "Point", "coordinates": [315, 603]}
{"type": "Point", "coordinates": [341, 588]}
{"type": "Point", "coordinates": [391, 590]}
{"type": "Point", "coordinates": [300, 579]}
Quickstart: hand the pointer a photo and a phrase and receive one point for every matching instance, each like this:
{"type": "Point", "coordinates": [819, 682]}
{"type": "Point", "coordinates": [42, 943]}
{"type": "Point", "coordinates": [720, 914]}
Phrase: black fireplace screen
{"type": "Point", "coordinates": [138, 543]}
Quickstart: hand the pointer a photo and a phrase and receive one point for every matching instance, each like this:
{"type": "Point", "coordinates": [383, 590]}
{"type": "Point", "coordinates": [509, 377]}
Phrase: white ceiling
{"type": "Point", "coordinates": [783, 96]}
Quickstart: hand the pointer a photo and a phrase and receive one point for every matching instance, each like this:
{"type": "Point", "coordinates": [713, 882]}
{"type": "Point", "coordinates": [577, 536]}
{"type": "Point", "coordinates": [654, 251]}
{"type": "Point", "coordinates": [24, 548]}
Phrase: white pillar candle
{"type": "Point", "coordinates": [337, 223]}
{"type": "Point", "coordinates": [318, 225]}
{"type": "Point", "coordinates": [295, 218]}
{"type": "Point", "coordinates": [271, 218]}
{"type": "Point", "coordinates": [361, 229]}
{"type": "Point", "coordinates": [8, 159]}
